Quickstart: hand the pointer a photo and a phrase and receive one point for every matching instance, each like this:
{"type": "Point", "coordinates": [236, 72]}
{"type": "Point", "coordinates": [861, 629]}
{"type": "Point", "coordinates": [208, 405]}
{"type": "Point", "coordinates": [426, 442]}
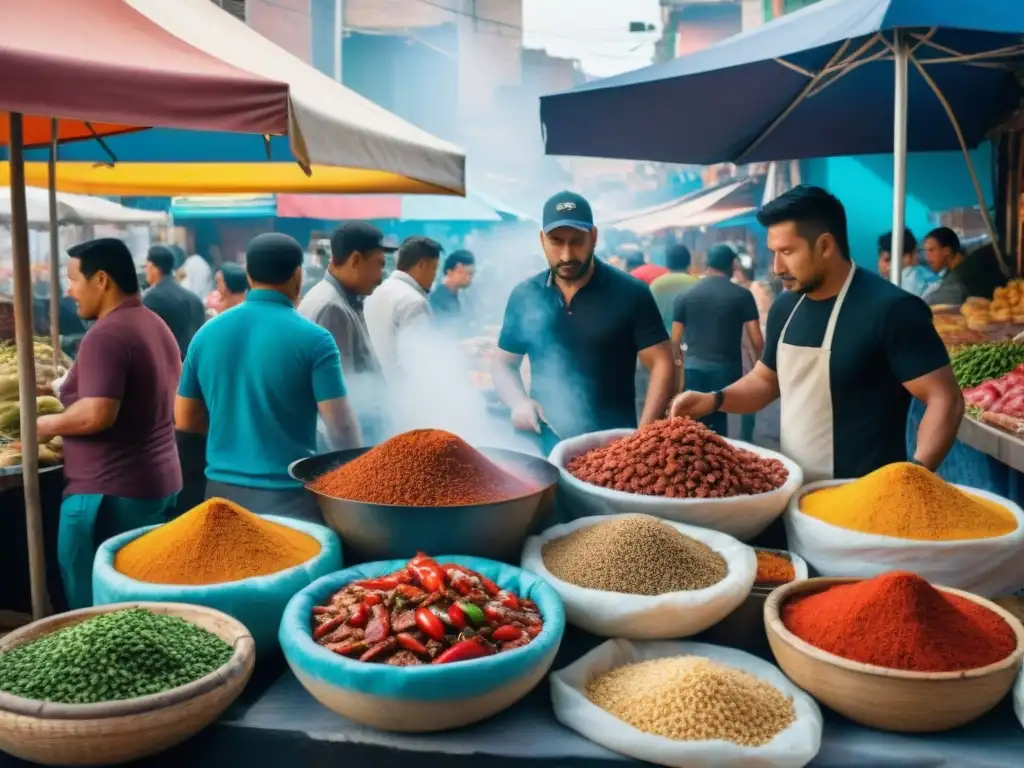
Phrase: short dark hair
{"type": "Point", "coordinates": [814, 210]}
{"type": "Point", "coordinates": [722, 257]}
{"type": "Point", "coordinates": [634, 260]}
{"type": "Point", "coordinates": [234, 277]}
{"type": "Point", "coordinates": [110, 255]}
{"type": "Point", "coordinates": [460, 258]}
{"type": "Point", "coordinates": [161, 257]}
{"type": "Point", "coordinates": [416, 249]}
{"type": "Point", "coordinates": [272, 258]}
{"type": "Point", "coordinates": [678, 258]}
{"type": "Point", "coordinates": [946, 237]}
{"type": "Point", "coordinates": [909, 242]}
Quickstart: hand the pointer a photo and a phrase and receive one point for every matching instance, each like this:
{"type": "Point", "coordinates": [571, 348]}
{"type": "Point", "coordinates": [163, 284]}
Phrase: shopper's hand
{"type": "Point", "coordinates": [527, 416]}
{"type": "Point", "coordinates": [693, 404]}
{"type": "Point", "coordinates": [44, 429]}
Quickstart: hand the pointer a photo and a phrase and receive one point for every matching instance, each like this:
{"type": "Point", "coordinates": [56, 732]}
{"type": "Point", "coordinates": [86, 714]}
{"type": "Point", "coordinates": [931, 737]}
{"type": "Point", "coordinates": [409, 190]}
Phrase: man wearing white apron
{"type": "Point", "coordinates": [845, 351]}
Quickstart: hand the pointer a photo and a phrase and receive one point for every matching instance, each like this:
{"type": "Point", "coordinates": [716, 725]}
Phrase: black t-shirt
{"type": "Point", "coordinates": [583, 357]}
{"type": "Point", "coordinates": [884, 337]}
{"type": "Point", "coordinates": [713, 313]}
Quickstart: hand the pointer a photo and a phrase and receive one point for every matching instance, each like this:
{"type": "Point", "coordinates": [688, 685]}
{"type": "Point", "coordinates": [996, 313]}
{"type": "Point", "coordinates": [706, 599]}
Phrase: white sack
{"type": "Point", "coordinates": [676, 614]}
{"type": "Point", "coordinates": [793, 748]}
{"type": "Point", "coordinates": [987, 567]}
{"type": "Point", "coordinates": [741, 516]}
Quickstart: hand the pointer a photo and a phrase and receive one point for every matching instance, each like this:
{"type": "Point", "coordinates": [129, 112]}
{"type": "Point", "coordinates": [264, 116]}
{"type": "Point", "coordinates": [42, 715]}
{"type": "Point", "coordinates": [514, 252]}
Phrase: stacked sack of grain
{"type": "Point", "coordinates": [904, 518]}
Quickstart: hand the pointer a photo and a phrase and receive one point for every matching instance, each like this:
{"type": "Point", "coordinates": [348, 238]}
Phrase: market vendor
{"type": "Point", "coordinates": [120, 457]}
{"type": "Point", "coordinates": [255, 380]}
{"type": "Point", "coordinates": [944, 255]}
{"type": "Point", "coordinates": [582, 323]}
{"type": "Point", "coordinates": [356, 268]}
{"type": "Point", "coordinates": [844, 350]}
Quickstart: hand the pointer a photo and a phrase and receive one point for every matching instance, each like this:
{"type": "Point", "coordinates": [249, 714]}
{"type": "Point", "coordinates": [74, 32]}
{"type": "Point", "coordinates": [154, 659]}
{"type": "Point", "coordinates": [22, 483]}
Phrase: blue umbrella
{"type": "Point", "coordinates": [835, 78]}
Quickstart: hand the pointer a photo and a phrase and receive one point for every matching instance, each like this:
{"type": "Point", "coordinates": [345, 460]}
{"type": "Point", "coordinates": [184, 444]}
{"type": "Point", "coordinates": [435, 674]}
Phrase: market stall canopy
{"type": "Point", "coordinates": [814, 83]}
{"type": "Point", "coordinates": [224, 207]}
{"type": "Point", "coordinates": [75, 209]}
{"type": "Point", "coordinates": [206, 70]}
{"type": "Point", "coordinates": [703, 208]}
{"type": "Point", "coordinates": [426, 208]}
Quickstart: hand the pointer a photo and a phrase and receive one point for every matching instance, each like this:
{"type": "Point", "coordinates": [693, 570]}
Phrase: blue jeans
{"type": "Point", "coordinates": [709, 380]}
{"type": "Point", "coordinates": [86, 521]}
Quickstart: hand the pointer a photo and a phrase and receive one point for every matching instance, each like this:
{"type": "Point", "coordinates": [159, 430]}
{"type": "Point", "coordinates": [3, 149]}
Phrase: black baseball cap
{"type": "Point", "coordinates": [567, 209]}
{"type": "Point", "coordinates": [358, 236]}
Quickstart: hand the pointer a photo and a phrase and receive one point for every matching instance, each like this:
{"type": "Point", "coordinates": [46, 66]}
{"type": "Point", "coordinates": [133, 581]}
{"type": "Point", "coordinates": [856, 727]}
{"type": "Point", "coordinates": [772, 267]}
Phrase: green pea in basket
{"type": "Point", "coordinates": [113, 732]}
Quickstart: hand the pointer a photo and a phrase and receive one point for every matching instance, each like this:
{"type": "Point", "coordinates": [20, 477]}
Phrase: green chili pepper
{"type": "Point", "coordinates": [474, 614]}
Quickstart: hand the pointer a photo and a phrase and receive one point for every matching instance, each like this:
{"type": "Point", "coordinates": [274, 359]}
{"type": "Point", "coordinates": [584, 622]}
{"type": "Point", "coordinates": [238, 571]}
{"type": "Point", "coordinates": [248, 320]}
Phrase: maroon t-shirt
{"type": "Point", "coordinates": [129, 355]}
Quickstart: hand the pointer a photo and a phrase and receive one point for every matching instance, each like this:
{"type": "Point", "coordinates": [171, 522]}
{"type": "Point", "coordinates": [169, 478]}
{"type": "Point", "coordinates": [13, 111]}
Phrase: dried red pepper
{"type": "Point", "coordinates": [360, 616]}
{"type": "Point", "coordinates": [506, 633]}
{"type": "Point", "coordinates": [410, 643]}
{"type": "Point", "coordinates": [429, 624]}
{"type": "Point", "coordinates": [380, 625]}
{"type": "Point", "coordinates": [462, 651]}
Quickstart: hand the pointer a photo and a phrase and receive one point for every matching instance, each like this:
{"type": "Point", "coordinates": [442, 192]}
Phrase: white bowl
{"type": "Point", "coordinates": [742, 517]}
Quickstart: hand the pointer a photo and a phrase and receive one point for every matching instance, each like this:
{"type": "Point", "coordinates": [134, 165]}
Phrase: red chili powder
{"type": "Point", "coordinates": [899, 621]}
{"type": "Point", "coordinates": [422, 468]}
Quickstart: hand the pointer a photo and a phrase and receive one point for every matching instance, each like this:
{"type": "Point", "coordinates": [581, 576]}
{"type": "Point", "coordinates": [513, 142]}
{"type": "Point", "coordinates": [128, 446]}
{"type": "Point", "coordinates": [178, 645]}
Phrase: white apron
{"type": "Point", "coordinates": [805, 391]}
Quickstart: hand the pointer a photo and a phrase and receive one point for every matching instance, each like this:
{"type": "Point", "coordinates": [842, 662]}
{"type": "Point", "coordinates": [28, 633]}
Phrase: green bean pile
{"type": "Point", "coordinates": [115, 656]}
{"type": "Point", "coordinates": [979, 363]}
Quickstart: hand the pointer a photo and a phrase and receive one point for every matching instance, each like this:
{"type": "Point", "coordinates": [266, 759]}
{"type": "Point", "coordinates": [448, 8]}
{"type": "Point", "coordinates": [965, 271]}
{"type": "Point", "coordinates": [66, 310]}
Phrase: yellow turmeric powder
{"type": "Point", "coordinates": [907, 501]}
{"type": "Point", "coordinates": [215, 542]}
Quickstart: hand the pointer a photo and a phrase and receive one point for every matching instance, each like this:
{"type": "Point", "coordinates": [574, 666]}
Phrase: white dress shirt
{"type": "Point", "coordinates": [396, 306]}
{"type": "Point", "coordinates": [198, 276]}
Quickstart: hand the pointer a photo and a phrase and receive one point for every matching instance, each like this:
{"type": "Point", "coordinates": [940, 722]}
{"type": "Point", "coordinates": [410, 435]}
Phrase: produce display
{"type": "Point", "coordinates": [213, 543]}
{"type": "Point", "coordinates": [977, 364]}
{"type": "Point", "coordinates": [678, 458]}
{"type": "Point", "coordinates": [773, 568]}
{"type": "Point", "coordinates": [1006, 306]}
{"type": "Point", "coordinates": [425, 613]}
{"type": "Point", "coordinates": [954, 331]}
{"type": "Point", "coordinates": [899, 621]}
{"type": "Point", "coordinates": [45, 371]}
{"type": "Point", "coordinates": [422, 468]}
{"type": "Point", "coordinates": [907, 501]}
{"type": "Point", "coordinates": [634, 555]}
{"type": "Point", "coordinates": [52, 452]}
{"type": "Point", "coordinates": [114, 656]}
{"type": "Point", "coordinates": [688, 698]}
{"type": "Point", "coordinates": [1001, 395]}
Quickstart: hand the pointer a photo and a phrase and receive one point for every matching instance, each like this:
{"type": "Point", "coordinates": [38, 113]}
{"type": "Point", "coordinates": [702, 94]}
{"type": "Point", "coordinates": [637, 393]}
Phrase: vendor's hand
{"type": "Point", "coordinates": [44, 429]}
{"type": "Point", "coordinates": [527, 415]}
{"type": "Point", "coordinates": [696, 405]}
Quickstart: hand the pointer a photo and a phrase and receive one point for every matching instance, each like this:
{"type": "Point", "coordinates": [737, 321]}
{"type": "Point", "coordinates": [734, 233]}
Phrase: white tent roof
{"type": "Point", "coordinates": [690, 211]}
{"type": "Point", "coordinates": [75, 209]}
{"type": "Point", "coordinates": [334, 125]}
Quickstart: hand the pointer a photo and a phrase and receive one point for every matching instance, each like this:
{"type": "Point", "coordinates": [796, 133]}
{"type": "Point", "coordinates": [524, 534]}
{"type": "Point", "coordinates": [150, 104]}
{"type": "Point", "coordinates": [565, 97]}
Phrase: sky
{"type": "Point", "coordinates": [594, 31]}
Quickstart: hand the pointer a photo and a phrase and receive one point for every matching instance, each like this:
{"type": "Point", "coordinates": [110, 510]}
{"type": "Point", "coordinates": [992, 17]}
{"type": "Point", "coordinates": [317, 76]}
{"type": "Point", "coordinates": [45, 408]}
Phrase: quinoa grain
{"type": "Point", "coordinates": [688, 698]}
{"type": "Point", "coordinates": [637, 555]}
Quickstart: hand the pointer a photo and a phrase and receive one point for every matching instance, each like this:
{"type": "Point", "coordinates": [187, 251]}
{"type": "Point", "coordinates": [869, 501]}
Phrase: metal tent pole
{"type": "Point", "coordinates": [55, 291]}
{"type": "Point", "coordinates": [26, 367]}
{"type": "Point", "coordinates": [901, 60]}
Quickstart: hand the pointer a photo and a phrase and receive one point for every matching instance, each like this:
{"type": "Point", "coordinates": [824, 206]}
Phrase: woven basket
{"type": "Point", "coordinates": [121, 731]}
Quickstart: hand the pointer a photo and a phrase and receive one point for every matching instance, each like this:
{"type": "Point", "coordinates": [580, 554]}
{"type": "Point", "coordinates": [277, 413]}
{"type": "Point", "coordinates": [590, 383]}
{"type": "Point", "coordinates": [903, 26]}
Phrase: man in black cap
{"type": "Point", "coordinates": [181, 309]}
{"type": "Point", "coordinates": [582, 324]}
{"type": "Point", "coordinates": [712, 318]}
{"type": "Point", "coordinates": [336, 304]}
{"type": "Point", "coordinates": [120, 458]}
{"type": "Point", "coordinates": [256, 379]}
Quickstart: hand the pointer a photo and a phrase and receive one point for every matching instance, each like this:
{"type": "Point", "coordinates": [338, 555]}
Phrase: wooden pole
{"type": "Point", "coordinates": [55, 291]}
{"type": "Point", "coordinates": [26, 368]}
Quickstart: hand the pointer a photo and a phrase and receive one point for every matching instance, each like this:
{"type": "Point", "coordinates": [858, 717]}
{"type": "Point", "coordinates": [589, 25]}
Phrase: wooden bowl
{"type": "Point", "coordinates": [114, 732]}
{"type": "Point", "coordinates": [890, 699]}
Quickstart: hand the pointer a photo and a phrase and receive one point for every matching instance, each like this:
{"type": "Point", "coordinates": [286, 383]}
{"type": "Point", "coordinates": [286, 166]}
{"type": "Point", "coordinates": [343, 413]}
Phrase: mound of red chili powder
{"type": "Point", "coordinates": [422, 468]}
{"type": "Point", "coordinates": [899, 621]}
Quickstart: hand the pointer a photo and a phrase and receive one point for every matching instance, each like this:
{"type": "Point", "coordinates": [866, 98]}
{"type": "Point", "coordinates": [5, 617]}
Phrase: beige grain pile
{"type": "Point", "coordinates": [637, 555]}
{"type": "Point", "coordinates": [687, 698]}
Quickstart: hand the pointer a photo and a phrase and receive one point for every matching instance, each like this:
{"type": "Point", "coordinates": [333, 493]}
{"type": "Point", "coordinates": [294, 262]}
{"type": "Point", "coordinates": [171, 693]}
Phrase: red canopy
{"type": "Point", "coordinates": [104, 63]}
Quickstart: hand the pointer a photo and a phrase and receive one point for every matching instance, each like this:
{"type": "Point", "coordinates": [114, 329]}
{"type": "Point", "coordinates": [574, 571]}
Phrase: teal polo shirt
{"type": "Point", "coordinates": [261, 368]}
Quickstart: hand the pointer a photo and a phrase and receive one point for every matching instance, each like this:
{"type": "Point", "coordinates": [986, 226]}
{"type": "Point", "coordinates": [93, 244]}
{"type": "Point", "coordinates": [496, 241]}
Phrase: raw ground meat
{"type": "Point", "coordinates": [678, 458]}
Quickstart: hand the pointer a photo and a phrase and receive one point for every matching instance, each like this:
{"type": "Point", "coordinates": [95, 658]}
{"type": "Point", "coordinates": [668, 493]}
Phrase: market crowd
{"type": "Point", "coordinates": [275, 375]}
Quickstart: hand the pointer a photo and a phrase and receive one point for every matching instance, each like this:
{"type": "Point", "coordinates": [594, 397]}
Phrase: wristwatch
{"type": "Point", "coordinates": [719, 396]}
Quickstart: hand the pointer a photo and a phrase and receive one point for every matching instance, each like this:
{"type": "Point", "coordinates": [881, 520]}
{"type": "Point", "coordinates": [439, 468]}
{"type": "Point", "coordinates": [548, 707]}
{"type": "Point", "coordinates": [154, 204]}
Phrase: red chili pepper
{"type": "Point", "coordinates": [384, 582]}
{"type": "Point", "coordinates": [360, 615]}
{"type": "Point", "coordinates": [427, 572]}
{"type": "Point", "coordinates": [429, 624]}
{"type": "Point", "coordinates": [506, 634]}
{"type": "Point", "coordinates": [410, 592]}
{"type": "Point", "coordinates": [457, 616]}
{"type": "Point", "coordinates": [462, 651]}
{"type": "Point", "coordinates": [494, 613]}
{"type": "Point", "coordinates": [380, 625]}
{"type": "Point", "coordinates": [489, 586]}
{"type": "Point", "coordinates": [534, 631]}
{"type": "Point", "coordinates": [371, 598]}
{"type": "Point", "coordinates": [328, 626]}
{"type": "Point", "coordinates": [507, 599]}
{"type": "Point", "coordinates": [320, 610]}
{"type": "Point", "coordinates": [410, 643]}
{"type": "Point", "coordinates": [347, 648]}
{"type": "Point", "coordinates": [386, 646]}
